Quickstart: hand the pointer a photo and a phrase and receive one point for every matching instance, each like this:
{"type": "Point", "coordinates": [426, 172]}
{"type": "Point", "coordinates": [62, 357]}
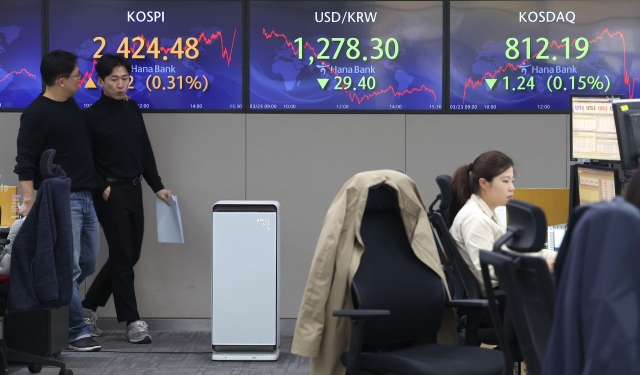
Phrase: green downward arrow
{"type": "Point", "coordinates": [490, 82]}
{"type": "Point", "coordinates": [323, 82]}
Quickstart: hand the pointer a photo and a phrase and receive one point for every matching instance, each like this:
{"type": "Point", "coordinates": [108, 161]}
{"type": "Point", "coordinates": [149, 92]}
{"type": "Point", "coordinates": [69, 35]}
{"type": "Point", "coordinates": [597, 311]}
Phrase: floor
{"type": "Point", "coordinates": [174, 353]}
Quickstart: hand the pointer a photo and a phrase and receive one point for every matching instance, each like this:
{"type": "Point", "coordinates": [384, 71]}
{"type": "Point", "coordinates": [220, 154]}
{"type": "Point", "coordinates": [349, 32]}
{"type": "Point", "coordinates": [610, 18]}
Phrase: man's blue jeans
{"type": "Point", "coordinates": [86, 243]}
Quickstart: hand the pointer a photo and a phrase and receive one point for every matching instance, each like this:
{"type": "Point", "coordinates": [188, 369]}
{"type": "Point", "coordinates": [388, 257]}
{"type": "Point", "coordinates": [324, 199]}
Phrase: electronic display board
{"type": "Point", "coordinates": [532, 55]}
{"type": "Point", "coordinates": [593, 129]}
{"type": "Point", "coordinates": [345, 55]}
{"type": "Point", "coordinates": [185, 55]}
{"type": "Point", "coordinates": [20, 53]}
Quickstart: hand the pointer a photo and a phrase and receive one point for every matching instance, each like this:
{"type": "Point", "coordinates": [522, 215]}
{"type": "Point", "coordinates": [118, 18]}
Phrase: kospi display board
{"type": "Point", "coordinates": [531, 55]}
{"type": "Point", "coordinates": [20, 53]}
{"type": "Point", "coordinates": [185, 55]}
{"type": "Point", "coordinates": [345, 56]}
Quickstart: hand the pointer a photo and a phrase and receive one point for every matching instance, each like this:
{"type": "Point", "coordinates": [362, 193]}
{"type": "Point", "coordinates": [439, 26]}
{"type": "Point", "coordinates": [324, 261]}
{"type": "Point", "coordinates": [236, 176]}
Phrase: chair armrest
{"type": "Point", "coordinates": [359, 314]}
{"type": "Point", "coordinates": [468, 303]}
{"type": "Point", "coordinates": [359, 319]}
{"type": "Point", "coordinates": [474, 309]}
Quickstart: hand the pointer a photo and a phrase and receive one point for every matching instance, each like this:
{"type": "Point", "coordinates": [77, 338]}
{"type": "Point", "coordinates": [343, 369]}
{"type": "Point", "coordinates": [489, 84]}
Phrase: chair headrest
{"type": "Point", "coordinates": [444, 183]}
{"type": "Point", "coordinates": [381, 198]}
{"type": "Point", "coordinates": [47, 168]}
{"type": "Point", "coordinates": [529, 225]}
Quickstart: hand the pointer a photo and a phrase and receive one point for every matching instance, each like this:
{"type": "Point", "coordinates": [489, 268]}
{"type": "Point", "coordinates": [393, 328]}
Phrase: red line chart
{"type": "Point", "coordinates": [16, 72]}
{"type": "Point", "coordinates": [628, 81]}
{"type": "Point", "coordinates": [88, 75]}
{"type": "Point", "coordinates": [226, 53]}
{"type": "Point", "coordinates": [352, 95]}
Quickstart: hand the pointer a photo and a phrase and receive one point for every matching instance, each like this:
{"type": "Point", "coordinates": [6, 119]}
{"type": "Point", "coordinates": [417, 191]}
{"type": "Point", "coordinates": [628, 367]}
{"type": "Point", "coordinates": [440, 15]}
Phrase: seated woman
{"type": "Point", "coordinates": [478, 188]}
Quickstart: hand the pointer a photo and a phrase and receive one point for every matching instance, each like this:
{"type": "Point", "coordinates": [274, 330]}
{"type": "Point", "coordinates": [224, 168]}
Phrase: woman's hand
{"type": "Point", "coordinates": [550, 263]}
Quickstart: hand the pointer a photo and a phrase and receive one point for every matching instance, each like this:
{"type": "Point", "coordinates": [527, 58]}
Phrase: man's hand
{"type": "Point", "coordinates": [28, 197]}
{"type": "Point", "coordinates": [164, 195]}
{"type": "Point", "coordinates": [25, 207]}
{"type": "Point", "coordinates": [105, 193]}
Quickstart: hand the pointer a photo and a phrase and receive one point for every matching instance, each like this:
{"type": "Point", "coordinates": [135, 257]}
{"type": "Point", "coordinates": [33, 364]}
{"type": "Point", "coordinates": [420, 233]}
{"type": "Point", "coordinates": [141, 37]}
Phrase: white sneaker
{"type": "Point", "coordinates": [91, 319]}
{"type": "Point", "coordinates": [138, 333]}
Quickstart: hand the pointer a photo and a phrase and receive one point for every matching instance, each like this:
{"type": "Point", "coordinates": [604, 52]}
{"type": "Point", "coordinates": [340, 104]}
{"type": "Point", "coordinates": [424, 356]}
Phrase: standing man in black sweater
{"type": "Point", "coordinates": [53, 120]}
{"type": "Point", "coordinates": [123, 157]}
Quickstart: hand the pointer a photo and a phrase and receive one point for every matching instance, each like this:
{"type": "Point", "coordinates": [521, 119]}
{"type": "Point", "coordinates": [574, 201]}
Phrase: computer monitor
{"type": "Point", "coordinates": [593, 129]}
{"type": "Point", "coordinates": [627, 120]}
{"type": "Point", "coordinates": [592, 184]}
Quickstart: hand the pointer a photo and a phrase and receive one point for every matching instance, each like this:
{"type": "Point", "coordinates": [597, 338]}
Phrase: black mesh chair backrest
{"type": "Point", "coordinates": [391, 277]}
{"type": "Point", "coordinates": [533, 310]}
{"type": "Point", "coordinates": [526, 280]}
{"type": "Point", "coordinates": [464, 274]}
{"type": "Point", "coordinates": [446, 196]}
{"type": "Point", "coordinates": [454, 281]}
{"type": "Point", "coordinates": [465, 279]}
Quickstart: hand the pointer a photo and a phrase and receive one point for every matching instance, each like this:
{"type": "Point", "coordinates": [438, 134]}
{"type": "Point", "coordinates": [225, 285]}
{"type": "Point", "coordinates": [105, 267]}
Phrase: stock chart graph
{"type": "Point", "coordinates": [20, 53]}
{"type": "Point", "coordinates": [346, 56]}
{"type": "Point", "coordinates": [185, 56]}
{"type": "Point", "coordinates": [532, 55]}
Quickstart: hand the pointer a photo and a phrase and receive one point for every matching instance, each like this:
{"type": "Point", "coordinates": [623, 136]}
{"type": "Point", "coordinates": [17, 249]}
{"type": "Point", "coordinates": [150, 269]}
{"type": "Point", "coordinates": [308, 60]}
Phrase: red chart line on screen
{"type": "Point", "coordinates": [16, 72]}
{"type": "Point", "coordinates": [352, 96]}
{"type": "Point", "coordinates": [226, 53]}
{"type": "Point", "coordinates": [627, 80]}
{"type": "Point", "coordinates": [88, 75]}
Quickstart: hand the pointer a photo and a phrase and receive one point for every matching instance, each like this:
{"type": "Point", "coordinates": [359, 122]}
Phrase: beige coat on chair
{"type": "Point", "coordinates": [318, 334]}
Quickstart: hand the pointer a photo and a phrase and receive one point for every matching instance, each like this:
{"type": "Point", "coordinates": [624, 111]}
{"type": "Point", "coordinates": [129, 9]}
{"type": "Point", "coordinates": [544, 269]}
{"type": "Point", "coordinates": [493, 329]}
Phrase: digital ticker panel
{"type": "Point", "coordinates": [532, 55]}
{"type": "Point", "coordinates": [185, 55]}
{"type": "Point", "coordinates": [20, 53]}
{"type": "Point", "coordinates": [345, 55]}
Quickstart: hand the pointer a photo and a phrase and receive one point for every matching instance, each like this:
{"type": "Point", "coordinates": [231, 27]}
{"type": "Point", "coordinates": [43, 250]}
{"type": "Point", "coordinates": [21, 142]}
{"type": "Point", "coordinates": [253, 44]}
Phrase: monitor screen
{"type": "Point", "coordinates": [596, 185]}
{"type": "Point", "coordinates": [593, 129]}
{"type": "Point", "coordinates": [627, 130]}
{"type": "Point", "coordinates": [530, 56]}
{"type": "Point", "coordinates": [345, 56]}
{"type": "Point", "coordinates": [185, 55]}
{"type": "Point", "coordinates": [20, 53]}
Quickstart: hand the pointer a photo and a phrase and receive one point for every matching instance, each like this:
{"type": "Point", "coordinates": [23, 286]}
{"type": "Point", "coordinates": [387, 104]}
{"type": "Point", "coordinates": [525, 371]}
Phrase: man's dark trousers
{"type": "Point", "coordinates": [122, 220]}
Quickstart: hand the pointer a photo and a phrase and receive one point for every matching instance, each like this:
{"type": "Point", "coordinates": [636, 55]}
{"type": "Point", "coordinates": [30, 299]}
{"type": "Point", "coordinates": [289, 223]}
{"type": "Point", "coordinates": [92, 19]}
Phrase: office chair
{"type": "Point", "coordinates": [463, 282]}
{"type": "Point", "coordinates": [439, 218]}
{"type": "Point", "coordinates": [399, 304]}
{"type": "Point", "coordinates": [526, 281]}
{"type": "Point", "coordinates": [34, 362]}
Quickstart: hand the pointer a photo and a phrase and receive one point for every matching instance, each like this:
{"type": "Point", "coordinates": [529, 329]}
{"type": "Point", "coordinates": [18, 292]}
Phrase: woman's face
{"type": "Point", "coordinates": [499, 191]}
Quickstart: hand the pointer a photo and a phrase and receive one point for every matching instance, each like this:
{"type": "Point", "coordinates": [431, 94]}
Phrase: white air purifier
{"type": "Point", "coordinates": [245, 321]}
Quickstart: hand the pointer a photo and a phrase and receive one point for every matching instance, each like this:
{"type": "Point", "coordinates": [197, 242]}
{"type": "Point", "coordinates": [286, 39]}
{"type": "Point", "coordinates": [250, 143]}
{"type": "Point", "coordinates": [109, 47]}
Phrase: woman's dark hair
{"type": "Point", "coordinates": [632, 194]}
{"type": "Point", "coordinates": [465, 179]}
{"type": "Point", "coordinates": [56, 64]}
{"type": "Point", "coordinates": [108, 62]}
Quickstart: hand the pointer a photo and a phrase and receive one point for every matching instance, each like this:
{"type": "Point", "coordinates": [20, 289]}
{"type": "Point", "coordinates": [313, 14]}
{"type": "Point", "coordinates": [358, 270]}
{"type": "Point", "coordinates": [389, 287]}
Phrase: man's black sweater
{"type": "Point", "coordinates": [120, 144]}
{"type": "Point", "coordinates": [47, 124]}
